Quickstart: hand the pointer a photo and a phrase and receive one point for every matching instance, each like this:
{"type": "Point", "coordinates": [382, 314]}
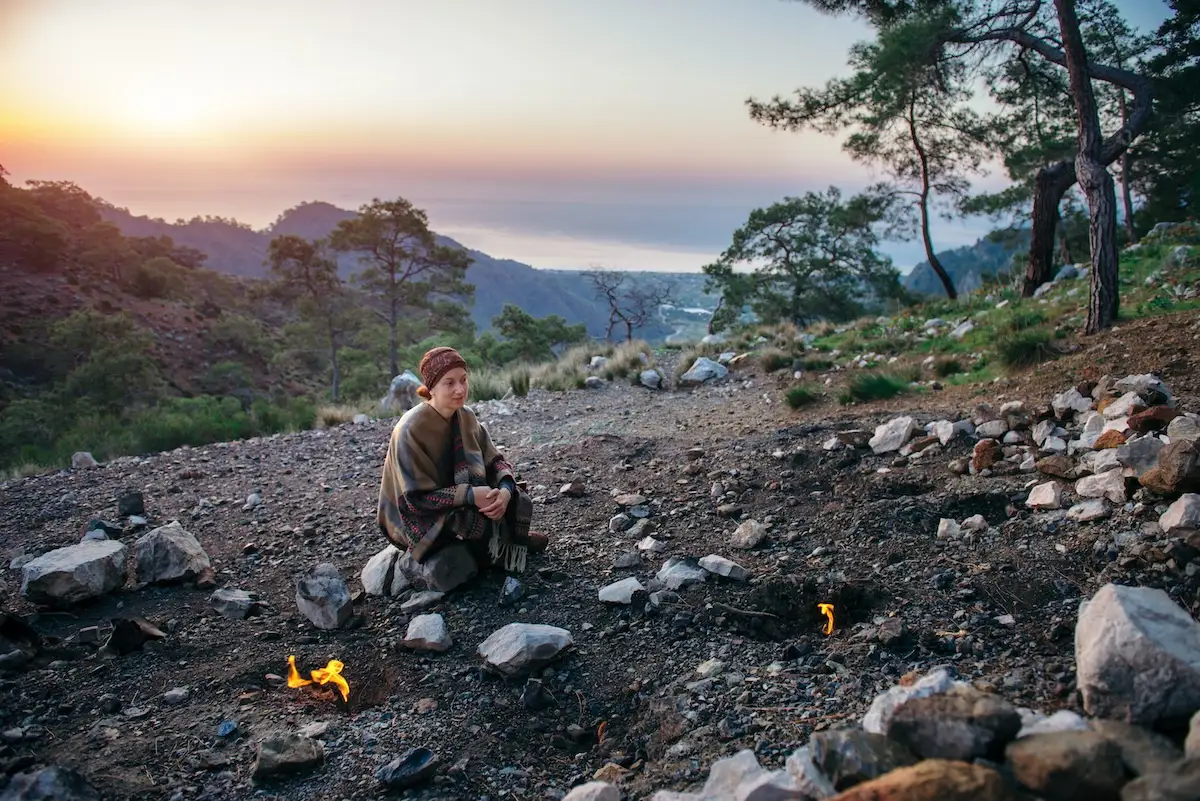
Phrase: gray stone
{"type": "Point", "coordinates": [323, 597]}
{"type": "Point", "coordinates": [1069, 403]}
{"type": "Point", "coordinates": [879, 715]}
{"type": "Point", "coordinates": [992, 429]}
{"type": "Point", "coordinates": [621, 592]}
{"type": "Point", "coordinates": [402, 393]}
{"type": "Point", "coordinates": [1183, 429]}
{"type": "Point", "coordinates": [1143, 751]}
{"type": "Point", "coordinates": [76, 573]}
{"type": "Point", "coordinates": [721, 566]}
{"type": "Point", "coordinates": [428, 633]}
{"type": "Point", "coordinates": [1179, 782]}
{"type": "Point", "coordinates": [1182, 516]}
{"type": "Point", "coordinates": [1123, 406]}
{"type": "Point", "coordinates": [749, 534]}
{"type": "Point", "coordinates": [808, 777]}
{"type": "Point", "coordinates": [893, 435]}
{"type": "Point", "coordinates": [629, 559]}
{"type": "Point", "coordinates": [851, 756]}
{"type": "Point", "coordinates": [1150, 387]}
{"type": "Point", "coordinates": [286, 753]}
{"type": "Point", "coordinates": [82, 459]}
{"type": "Point", "coordinates": [963, 725]}
{"type": "Point", "coordinates": [380, 576]}
{"type": "Point", "coordinates": [702, 370]}
{"type": "Point", "coordinates": [1138, 657]}
{"type": "Point", "coordinates": [49, 784]}
{"type": "Point", "coordinates": [1071, 766]}
{"type": "Point", "coordinates": [1110, 485]}
{"type": "Point", "coordinates": [169, 553]}
{"type": "Point", "coordinates": [176, 696]}
{"type": "Point", "coordinates": [1087, 511]}
{"type": "Point", "coordinates": [679, 572]}
{"type": "Point", "coordinates": [650, 378]}
{"type": "Point", "coordinates": [1045, 496]}
{"type": "Point", "coordinates": [422, 601]}
{"type": "Point", "coordinates": [234, 604]}
{"type": "Point", "coordinates": [593, 382]}
{"type": "Point", "coordinates": [519, 648]}
{"type": "Point", "coordinates": [594, 791]}
{"type": "Point", "coordinates": [1043, 431]}
{"type": "Point", "coordinates": [619, 522]}
{"type": "Point", "coordinates": [1140, 455]}
{"type": "Point", "coordinates": [445, 570]}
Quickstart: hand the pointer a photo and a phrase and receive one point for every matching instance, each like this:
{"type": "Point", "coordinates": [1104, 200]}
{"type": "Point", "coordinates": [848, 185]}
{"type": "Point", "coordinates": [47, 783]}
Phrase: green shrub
{"type": "Point", "coordinates": [1025, 348]}
{"type": "Point", "coordinates": [801, 395]}
{"type": "Point", "coordinates": [486, 385]}
{"type": "Point", "coordinates": [1022, 319]}
{"type": "Point", "coordinates": [518, 379]}
{"type": "Point", "coordinates": [873, 386]}
{"type": "Point", "coordinates": [158, 277]}
{"type": "Point", "coordinates": [775, 359]}
{"type": "Point", "coordinates": [226, 378]}
{"type": "Point", "coordinates": [818, 364]}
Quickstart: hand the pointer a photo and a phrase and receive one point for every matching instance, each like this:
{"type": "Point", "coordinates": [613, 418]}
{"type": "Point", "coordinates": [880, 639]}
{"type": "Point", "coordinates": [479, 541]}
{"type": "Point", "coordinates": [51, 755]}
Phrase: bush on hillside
{"type": "Point", "coordinates": [801, 395]}
{"type": "Point", "coordinates": [1026, 348]}
{"type": "Point", "coordinates": [775, 359]}
{"type": "Point", "coordinates": [874, 386]}
{"type": "Point", "coordinates": [947, 366]}
{"type": "Point", "coordinates": [158, 277]}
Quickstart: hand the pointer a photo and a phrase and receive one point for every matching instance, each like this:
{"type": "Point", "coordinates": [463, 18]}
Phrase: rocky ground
{"type": "Point", "coordinates": [924, 565]}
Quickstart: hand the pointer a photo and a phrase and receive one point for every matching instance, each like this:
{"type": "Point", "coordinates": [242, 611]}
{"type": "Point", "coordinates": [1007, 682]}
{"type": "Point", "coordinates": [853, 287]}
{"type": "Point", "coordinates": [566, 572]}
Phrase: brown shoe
{"type": "Point", "coordinates": [538, 542]}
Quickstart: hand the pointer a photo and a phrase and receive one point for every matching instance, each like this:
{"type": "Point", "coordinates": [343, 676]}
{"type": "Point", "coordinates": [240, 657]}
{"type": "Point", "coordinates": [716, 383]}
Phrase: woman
{"type": "Point", "coordinates": [444, 480]}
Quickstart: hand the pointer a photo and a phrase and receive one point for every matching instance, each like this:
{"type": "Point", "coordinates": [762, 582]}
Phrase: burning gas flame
{"type": "Point", "coordinates": [827, 610]}
{"type": "Point", "coordinates": [330, 673]}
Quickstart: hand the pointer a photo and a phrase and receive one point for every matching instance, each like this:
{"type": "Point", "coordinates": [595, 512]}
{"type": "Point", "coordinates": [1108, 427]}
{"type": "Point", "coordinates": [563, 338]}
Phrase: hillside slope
{"type": "Point", "coordinates": [239, 250]}
{"type": "Point", "coordinates": [968, 266]}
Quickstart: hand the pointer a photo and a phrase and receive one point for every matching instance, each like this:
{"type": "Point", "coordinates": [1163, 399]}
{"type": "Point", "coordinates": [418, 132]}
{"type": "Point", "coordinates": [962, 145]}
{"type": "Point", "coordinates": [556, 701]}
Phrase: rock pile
{"type": "Point", "coordinates": [937, 737]}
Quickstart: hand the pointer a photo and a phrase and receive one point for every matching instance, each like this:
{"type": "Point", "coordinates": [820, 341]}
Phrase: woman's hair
{"type": "Point", "coordinates": [435, 364]}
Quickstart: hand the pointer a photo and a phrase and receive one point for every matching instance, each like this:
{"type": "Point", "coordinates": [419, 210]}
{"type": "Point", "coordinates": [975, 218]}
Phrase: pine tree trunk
{"type": "Point", "coordinates": [934, 262]}
{"type": "Point", "coordinates": [1094, 178]}
{"type": "Point", "coordinates": [333, 360]}
{"type": "Point", "coordinates": [1049, 187]}
{"type": "Point", "coordinates": [393, 345]}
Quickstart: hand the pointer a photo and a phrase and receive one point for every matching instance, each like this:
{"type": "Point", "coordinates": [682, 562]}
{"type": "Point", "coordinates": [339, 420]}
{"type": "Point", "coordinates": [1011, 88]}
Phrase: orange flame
{"type": "Point", "coordinates": [827, 610]}
{"type": "Point", "coordinates": [330, 673]}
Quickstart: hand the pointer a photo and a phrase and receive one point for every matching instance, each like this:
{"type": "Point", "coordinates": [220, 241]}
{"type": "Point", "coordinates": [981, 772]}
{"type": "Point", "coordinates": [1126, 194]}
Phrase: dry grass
{"type": "Point", "coordinates": [23, 471]}
{"type": "Point", "coordinates": [335, 414]}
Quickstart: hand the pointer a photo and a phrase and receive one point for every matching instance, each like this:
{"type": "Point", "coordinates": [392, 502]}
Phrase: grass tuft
{"type": "Point", "coordinates": [1026, 348]}
{"type": "Point", "coordinates": [874, 386]}
{"type": "Point", "coordinates": [801, 395]}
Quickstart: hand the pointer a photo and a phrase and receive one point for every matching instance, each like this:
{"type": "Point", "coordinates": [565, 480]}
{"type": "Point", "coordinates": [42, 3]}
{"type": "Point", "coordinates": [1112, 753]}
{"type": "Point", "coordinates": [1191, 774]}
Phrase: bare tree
{"type": "Point", "coordinates": [630, 302]}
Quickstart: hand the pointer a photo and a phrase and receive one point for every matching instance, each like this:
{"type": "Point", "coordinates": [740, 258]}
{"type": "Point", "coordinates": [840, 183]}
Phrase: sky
{"type": "Point", "coordinates": [560, 133]}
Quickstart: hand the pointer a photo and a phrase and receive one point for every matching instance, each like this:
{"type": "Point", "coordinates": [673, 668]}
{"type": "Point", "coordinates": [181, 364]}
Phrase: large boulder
{"type": "Point", "coordinates": [323, 597]}
{"type": "Point", "coordinates": [1138, 657]}
{"type": "Point", "coordinates": [169, 553]}
{"type": "Point", "coordinates": [380, 576]}
{"type": "Point", "coordinates": [893, 435]}
{"type": "Point", "coordinates": [450, 567]}
{"type": "Point", "coordinates": [76, 573]}
{"type": "Point", "coordinates": [402, 394]}
{"type": "Point", "coordinates": [702, 370]}
{"type": "Point", "coordinates": [53, 783]}
{"type": "Point", "coordinates": [520, 648]}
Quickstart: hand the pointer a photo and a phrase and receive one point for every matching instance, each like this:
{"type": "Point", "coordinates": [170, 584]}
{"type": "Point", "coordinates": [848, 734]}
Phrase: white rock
{"type": "Point", "coordinates": [975, 523]}
{"type": "Point", "coordinates": [813, 783]}
{"type": "Point", "coordinates": [721, 566]}
{"type": "Point", "coordinates": [679, 572]}
{"type": "Point", "coordinates": [651, 545]}
{"type": "Point", "coordinates": [1093, 423]}
{"type": "Point", "coordinates": [749, 534]}
{"type": "Point", "coordinates": [878, 717]}
{"type": "Point", "coordinates": [1183, 428]}
{"type": "Point", "coordinates": [1116, 424]}
{"type": "Point", "coordinates": [992, 429]}
{"type": "Point", "coordinates": [82, 459]}
{"type": "Point", "coordinates": [1146, 385]}
{"type": "Point", "coordinates": [169, 553]}
{"type": "Point", "coordinates": [710, 668]}
{"type": "Point", "coordinates": [1070, 402]}
{"type": "Point", "coordinates": [1012, 438]}
{"type": "Point", "coordinates": [1054, 446]}
{"type": "Point", "coordinates": [252, 500]}
{"type": "Point", "coordinates": [1110, 484]}
{"type": "Point", "coordinates": [1045, 496]}
{"type": "Point", "coordinates": [1062, 720]}
{"type": "Point", "coordinates": [962, 329]}
{"type": "Point", "coordinates": [1099, 461]}
{"type": "Point", "coordinates": [421, 601]}
{"type": "Point", "coordinates": [519, 648]}
{"type": "Point", "coordinates": [1123, 406]}
{"type": "Point", "coordinates": [892, 435]}
{"type": "Point", "coordinates": [428, 633]}
{"type": "Point", "coordinates": [831, 444]}
{"type": "Point", "coordinates": [233, 603]}
{"type": "Point", "coordinates": [1012, 407]}
{"type": "Point", "coordinates": [1182, 517]}
{"type": "Point", "coordinates": [594, 791]}
{"type": "Point", "coordinates": [75, 573]}
{"type": "Point", "coordinates": [361, 419]}
{"type": "Point", "coordinates": [380, 576]}
{"type": "Point", "coordinates": [1138, 657]}
{"type": "Point", "coordinates": [1043, 431]}
{"type": "Point", "coordinates": [323, 597]}
{"type": "Point", "coordinates": [943, 430]}
{"type": "Point", "coordinates": [948, 529]}
{"type": "Point", "coordinates": [702, 370]}
{"type": "Point", "coordinates": [1087, 511]}
{"type": "Point", "coordinates": [621, 592]}
{"type": "Point", "coordinates": [726, 775]}
{"type": "Point", "coordinates": [650, 378]}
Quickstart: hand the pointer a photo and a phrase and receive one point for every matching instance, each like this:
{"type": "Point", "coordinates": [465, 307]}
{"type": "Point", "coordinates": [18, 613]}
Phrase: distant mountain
{"type": "Point", "coordinates": [967, 265]}
{"type": "Point", "coordinates": [239, 250]}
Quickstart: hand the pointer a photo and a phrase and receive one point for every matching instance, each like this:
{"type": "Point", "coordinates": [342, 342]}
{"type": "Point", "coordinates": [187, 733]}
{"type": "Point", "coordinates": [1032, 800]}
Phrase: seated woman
{"type": "Point", "coordinates": [444, 480]}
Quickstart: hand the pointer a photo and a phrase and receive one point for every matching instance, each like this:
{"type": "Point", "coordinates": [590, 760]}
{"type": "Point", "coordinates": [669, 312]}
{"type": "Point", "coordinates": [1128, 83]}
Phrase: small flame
{"type": "Point", "coordinates": [330, 673]}
{"type": "Point", "coordinates": [827, 610]}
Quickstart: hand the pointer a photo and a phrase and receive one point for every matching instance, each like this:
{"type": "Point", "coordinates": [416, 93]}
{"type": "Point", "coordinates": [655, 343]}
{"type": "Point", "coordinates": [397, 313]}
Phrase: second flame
{"type": "Point", "coordinates": [331, 673]}
{"type": "Point", "coordinates": [827, 610]}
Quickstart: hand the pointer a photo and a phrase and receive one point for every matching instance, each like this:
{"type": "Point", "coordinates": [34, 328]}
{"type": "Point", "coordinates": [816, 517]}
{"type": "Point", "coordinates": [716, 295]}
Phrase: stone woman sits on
{"type": "Point", "coordinates": [444, 480]}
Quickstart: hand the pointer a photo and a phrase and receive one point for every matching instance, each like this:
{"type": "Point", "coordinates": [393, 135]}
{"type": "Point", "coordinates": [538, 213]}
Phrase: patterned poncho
{"type": "Point", "coordinates": [423, 494]}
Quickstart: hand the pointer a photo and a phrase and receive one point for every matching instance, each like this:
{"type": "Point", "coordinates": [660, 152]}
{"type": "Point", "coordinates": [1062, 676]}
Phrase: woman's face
{"type": "Point", "coordinates": [450, 392]}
